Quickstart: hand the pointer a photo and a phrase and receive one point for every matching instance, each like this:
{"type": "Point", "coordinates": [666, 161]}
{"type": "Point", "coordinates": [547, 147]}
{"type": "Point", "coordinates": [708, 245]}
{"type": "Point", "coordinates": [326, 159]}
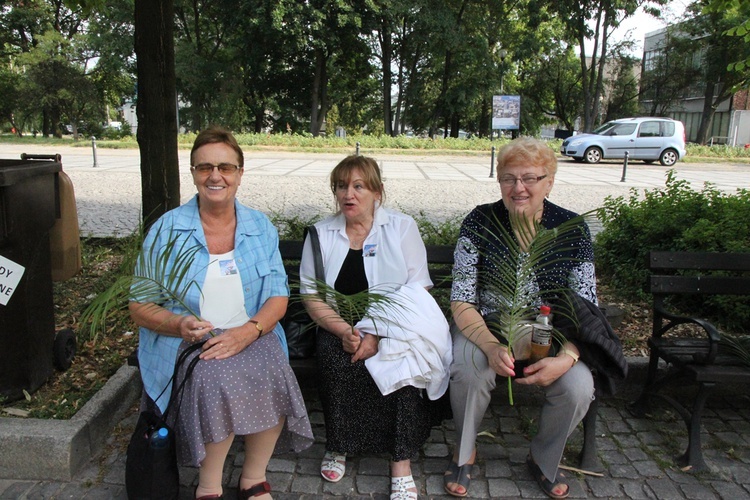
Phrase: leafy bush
{"type": "Point", "coordinates": [292, 227]}
{"type": "Point", "coordinates": [675, 217]}
{"type": "Point", "coordinates": [717, 151]}
{"type": "Point", "coordinates": [438, 233]}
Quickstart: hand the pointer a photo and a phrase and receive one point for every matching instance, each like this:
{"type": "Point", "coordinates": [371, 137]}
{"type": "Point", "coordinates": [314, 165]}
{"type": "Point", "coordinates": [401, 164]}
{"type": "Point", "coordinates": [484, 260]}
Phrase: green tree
{"type": "Point", "coordinates": [71, 57]}
{"type": "Point", "coordinates": [741, 30]}
{"type": "Point", "coordinates": [717, 52]}
{"type": "Point", "coordinates": [622, 92]}
{"type": "Point", "coordinates": [585, 20]}
{"type": "Point", "coordinates": [668, 73]}
{"type": "Point", "coordinates": [552, 85]}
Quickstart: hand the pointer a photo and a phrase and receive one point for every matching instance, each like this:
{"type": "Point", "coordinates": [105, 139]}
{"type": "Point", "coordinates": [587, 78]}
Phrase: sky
{"type": "Point", "coordinates": [641, 23]}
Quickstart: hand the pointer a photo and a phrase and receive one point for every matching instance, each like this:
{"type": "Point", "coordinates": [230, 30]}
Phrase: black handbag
{"type": "Point", "coordinates": [299, 328]}
{"type": "Point", "coordinates": [151, 470]}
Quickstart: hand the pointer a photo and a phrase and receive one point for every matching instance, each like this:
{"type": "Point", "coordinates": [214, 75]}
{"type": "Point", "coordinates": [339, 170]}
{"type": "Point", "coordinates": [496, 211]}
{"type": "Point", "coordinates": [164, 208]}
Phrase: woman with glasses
{"type": "Point", "coordinates": [235, 292]}
{"type": "Point", "coordinates": [526, 173]}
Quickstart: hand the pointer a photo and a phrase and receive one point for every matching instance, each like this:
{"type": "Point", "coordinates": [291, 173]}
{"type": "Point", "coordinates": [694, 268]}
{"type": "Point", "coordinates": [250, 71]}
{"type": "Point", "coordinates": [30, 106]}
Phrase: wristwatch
{"type": "Point", "coordinates": [258, 326]}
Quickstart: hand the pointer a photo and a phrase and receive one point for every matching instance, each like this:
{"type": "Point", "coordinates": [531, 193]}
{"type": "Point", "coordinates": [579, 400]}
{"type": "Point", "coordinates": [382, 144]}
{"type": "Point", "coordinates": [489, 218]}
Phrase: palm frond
{"type": "Point", "coordinates": [377, 303]}
{"type": "Point", "coordinates": [531, 255]}
{"type": "Point", "coordinates": [737, 346]}
{"type": "Point", "coordinates": [159, 275]}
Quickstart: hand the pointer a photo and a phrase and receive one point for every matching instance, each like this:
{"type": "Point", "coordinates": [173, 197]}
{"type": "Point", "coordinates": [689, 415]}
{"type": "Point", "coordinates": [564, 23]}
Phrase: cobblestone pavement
{"type": "Point", "coordinates": [637, 453]}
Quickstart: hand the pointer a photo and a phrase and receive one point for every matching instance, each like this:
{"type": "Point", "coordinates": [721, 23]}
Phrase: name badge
{"type": "Point", "coordinates": [227, 267]}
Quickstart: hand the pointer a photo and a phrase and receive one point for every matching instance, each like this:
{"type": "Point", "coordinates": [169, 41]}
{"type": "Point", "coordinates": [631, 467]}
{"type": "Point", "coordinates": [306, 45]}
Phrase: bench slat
{"type": "Point", "coordinates": [708, 261]}
{"type": "Point", "coordinates": [708, 285]}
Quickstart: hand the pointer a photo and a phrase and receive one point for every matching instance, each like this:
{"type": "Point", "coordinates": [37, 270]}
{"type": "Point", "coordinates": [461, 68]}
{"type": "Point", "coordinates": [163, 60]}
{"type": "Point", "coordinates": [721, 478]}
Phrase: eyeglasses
{"type": "Point", "coordinates": [526, 180]}
{"type": "Point", "coordinates": [208, 168]}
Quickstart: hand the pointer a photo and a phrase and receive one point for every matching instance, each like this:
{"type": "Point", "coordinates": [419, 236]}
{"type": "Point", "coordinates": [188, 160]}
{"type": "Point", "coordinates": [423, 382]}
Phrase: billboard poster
{"type": "Point", "coordinates": [506, 112]}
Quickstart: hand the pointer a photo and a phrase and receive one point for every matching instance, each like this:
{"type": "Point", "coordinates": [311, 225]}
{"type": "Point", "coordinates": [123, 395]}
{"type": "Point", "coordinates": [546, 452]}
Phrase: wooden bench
{"type": "Point", "coordinates": [440, 262]}
{"type": "Point", "coordinates": [702, 360]}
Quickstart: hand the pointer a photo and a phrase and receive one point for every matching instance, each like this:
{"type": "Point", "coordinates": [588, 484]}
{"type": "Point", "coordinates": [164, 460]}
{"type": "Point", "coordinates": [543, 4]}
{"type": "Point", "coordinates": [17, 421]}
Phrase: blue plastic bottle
{"type": "Point", "coordinates": [159, 438]}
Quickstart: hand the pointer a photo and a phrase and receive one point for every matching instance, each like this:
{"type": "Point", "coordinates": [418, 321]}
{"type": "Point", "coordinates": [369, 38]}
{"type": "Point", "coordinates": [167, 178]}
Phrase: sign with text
{"type": "Point", "coordinates": [10, 275]}
{"type": "Point", "coordinates": [506, 112]}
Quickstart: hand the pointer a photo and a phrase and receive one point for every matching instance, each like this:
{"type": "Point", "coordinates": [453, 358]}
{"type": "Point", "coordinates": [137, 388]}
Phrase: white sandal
{"type": "Point", "coordinates": [333, 462]}
{"type": "Point", "coordinates": [401, 486]}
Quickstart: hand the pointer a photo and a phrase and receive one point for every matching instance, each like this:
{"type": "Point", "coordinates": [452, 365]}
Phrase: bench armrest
{"type": "Point", "coordinates": [661, 315]}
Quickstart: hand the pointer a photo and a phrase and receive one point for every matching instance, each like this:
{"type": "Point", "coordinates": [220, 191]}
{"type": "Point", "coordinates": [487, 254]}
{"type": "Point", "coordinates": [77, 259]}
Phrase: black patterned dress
{"type": "Point", "coordinates": [359, 419]}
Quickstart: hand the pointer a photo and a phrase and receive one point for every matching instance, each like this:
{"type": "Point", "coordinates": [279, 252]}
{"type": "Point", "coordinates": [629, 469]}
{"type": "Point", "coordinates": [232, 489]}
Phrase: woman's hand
{"type": "Point", "coordinates": [545, 371]}
{"type": "Point", "coordinates": [227, 344]}
{"type": "Point", "coordinates": [368, 347]}
{"type": "Point", "coordinates": [499, 359]}
{"type": "Point", "coordinates": [351, 340]}
{"type": "Point", "coordinates": [193, 329]}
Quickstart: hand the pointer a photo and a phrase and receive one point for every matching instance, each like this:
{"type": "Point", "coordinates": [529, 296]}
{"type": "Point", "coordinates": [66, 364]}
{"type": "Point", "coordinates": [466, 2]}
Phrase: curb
{"type": "Point", "coordinates": [57, 449]}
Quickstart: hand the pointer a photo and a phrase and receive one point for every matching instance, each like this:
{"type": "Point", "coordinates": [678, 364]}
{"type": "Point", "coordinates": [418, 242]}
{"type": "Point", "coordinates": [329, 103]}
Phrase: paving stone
{"type": "Point", "coordinates": [303, 466]}
{"type": "Point", "coordinates": [634, 489]}
{"type": "Point", "coordinates": [497, 468]}
{"type": "Point", "coordinates": [436, 450]}
{"type": "Point", "coordinates": [729, 491]}
{"type": "Point", "coordinates": [44, 490]}
{"type": "Point", "coordinates": [502, 488]}
{"type": "Point", "coordinates": [664, 489]}
{"type": "Point", "coordinates": [343, 487]}
{"type": "Point", "coordinates": [284, 465]}
{"type": "Point", "coordinates": [623, 471]}
{"type": "Point", "coordinates": [367, 485]}
{"type": "Point", "coordinates": [603, 487]}
{"type": "Point", "coordinates": [634, 454]}
{"type": "Point", "coordinates": [307, 484]}
{"type": "Point", "coordinates": [614, 457]}
{"type": "Point", "coordinates": [698, 492]}
{"type": "Point", "coordinates": [16, 489]}
{"type": "Point", "coordinates": [374, 466]}
{"type": "Point", "coordinates": [648, 468]}
{"type": "Point", "coordinates": [106, 492]}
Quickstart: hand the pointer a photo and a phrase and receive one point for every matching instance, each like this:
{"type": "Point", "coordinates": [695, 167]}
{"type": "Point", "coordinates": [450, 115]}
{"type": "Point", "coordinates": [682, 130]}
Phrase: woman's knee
{"type": "Point", "coordinates": [576, 385]}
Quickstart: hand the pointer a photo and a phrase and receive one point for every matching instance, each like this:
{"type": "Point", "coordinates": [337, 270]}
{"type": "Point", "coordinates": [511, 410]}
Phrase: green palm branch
{"type": "Point", "coordinates": [533, 252]}
{"type": "Point", "coordinates": [157, 275]}
{"type": "Point", "coordinates": [376, 303]}
{"type": "Point", "coordinates": [737, 346]}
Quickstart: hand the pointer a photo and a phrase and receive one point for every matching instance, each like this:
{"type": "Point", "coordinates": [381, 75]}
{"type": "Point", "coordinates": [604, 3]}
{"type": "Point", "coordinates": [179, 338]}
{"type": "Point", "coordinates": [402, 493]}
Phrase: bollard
{"type": "Point", "coordinates": [625, 166]}
{"type": "Point", "coordinates": [492, 163]}
{"type": "Point", "coordinates": [357, 153]}
{"type": "Point", "coordinates": [93, 149]}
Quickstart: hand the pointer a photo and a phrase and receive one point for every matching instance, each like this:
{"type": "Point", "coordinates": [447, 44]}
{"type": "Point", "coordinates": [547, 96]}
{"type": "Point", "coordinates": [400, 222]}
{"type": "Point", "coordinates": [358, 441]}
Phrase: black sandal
{"type": "Point", "coordinates": [253, 491]}
{"type": "Point", "coordinates": [544, 483]}
{"type": "Point", "coordinates": [458, 475]}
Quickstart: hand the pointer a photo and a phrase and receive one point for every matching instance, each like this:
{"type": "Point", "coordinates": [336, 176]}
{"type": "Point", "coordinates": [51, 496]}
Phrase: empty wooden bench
{"type": "Point", "coordinates": [702, 361]}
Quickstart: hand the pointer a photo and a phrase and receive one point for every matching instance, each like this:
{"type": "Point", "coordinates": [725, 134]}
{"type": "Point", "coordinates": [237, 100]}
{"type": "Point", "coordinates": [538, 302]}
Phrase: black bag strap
{"type": "Point", "coordinates": [312, 232]}
{"type": "Point", "coordinates": [180, 360]}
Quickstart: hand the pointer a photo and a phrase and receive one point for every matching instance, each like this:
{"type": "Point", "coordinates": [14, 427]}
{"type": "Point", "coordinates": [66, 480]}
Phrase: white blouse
{"type": "Point", "coordinates": [393, 252]}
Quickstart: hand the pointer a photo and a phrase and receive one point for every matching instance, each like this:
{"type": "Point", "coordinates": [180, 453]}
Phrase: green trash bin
{"type": "Point", "coordinates": [29, 207]}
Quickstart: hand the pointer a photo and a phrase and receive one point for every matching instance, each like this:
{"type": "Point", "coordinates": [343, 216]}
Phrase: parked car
{"type": "Point", "coordinates": [648, 139]}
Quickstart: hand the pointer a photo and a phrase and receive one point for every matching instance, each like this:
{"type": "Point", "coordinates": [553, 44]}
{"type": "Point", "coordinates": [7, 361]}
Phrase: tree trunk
{"type": "Point", "coordinates": [156, 110]}
{"type": "Point", "coordinates": [485, 118]}
{"type": "Point", "coordinates": [319, 93]}
{"type": "Point", "coordinates": [387, 54]}
{"type": "Point", "coordinates": [447, 73]}
{"type": "Point", "coordinates": [707, 114]}
{"type": "Point", "coordinates": [46, 129]}
{"type": "Point", "coordinates": [455, 125]}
